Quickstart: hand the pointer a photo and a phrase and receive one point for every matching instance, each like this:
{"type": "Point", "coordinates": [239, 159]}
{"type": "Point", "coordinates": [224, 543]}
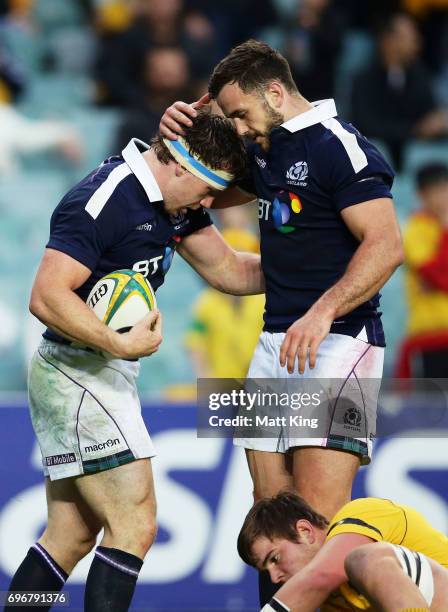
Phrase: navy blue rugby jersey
{"type": "Point", "coordinates": [316, 166]}
{"type": "Point", "coordinates": [114, 219]}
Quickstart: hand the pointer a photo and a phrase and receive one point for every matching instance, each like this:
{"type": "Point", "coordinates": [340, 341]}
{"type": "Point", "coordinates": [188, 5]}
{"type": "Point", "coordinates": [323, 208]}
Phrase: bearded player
{"type": "Point", "coordinates": [329, 242]}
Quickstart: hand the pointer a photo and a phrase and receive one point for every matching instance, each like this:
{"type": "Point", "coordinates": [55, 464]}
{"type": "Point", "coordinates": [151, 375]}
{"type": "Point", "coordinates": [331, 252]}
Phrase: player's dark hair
{"type": "Point", "coordinates": [275, 517]}
{"type": "Point", "coordinates": [431, 174]}
{"type": "Point", "coordinates": [214, 139]}
{"type": "Point", "coordinates": [252, 65]}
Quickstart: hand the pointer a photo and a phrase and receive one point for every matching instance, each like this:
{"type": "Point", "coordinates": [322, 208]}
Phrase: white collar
{"type": "Point", "coordinates": [141, 170]}
{"type": "Point", "coordinates": [323, 109]}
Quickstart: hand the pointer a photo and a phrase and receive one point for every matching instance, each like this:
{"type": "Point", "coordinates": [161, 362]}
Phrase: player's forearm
{"type": "Point", "coordinates": [221, 266]}
{"type": "Point", "coordinates": [306, 591]}
{"type": "Point", "coordinates": [241, 275]}
{"type": "Point", "coordinates": [64, 312]}
{"type": "Point", "coordinates": [371, 266]}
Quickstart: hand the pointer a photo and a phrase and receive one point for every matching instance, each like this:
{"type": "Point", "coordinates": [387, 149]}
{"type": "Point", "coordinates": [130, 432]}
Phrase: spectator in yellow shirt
{"type": "Point", "coordinates": [426, 257]}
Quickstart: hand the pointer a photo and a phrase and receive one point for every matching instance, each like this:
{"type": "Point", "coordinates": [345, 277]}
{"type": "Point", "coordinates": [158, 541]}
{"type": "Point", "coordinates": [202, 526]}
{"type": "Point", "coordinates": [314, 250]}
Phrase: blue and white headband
{"type": "Point", "coordinates": [218, 179]}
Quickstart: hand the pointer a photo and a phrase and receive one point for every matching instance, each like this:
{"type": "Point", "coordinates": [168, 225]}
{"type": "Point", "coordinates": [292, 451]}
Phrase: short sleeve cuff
{"type": "Point", "coordinates": [351, 196]}
{"type": "Point", "coordinates": [72, 251]}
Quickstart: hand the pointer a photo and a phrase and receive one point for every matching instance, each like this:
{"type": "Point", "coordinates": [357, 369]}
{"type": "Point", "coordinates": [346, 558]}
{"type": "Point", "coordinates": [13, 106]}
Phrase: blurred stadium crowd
{"type": "Point", "coordinates": [79, 78]}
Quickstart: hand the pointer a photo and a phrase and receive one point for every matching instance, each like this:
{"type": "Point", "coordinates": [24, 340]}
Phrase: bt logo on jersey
{"type": "Point", "coordinates": [147, 267]}
{"type": "Point", "coordinates": [281, 210]}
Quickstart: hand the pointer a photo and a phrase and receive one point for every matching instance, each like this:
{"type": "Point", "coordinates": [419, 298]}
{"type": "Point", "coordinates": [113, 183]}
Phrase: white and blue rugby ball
{"type": "Point", "coordinates": [121, 299]}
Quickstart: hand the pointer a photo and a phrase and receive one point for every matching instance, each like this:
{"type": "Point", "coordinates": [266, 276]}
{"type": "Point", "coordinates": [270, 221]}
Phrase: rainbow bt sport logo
{"type": "Point", "coordinates": [281, 212]}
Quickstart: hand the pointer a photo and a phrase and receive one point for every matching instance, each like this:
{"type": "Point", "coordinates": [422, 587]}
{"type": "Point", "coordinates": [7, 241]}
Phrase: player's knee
{"type": "Point", "coordinates": [134, 532]}
{"type": "Point", "coordinates": [143, 537]}
{"type": "Point", "coordinates": [146, 533]}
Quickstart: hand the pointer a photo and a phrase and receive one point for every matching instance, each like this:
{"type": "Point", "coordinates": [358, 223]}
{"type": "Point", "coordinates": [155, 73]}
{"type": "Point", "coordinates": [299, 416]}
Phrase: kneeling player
{"type": "Point", "coordinates": [373, 555]}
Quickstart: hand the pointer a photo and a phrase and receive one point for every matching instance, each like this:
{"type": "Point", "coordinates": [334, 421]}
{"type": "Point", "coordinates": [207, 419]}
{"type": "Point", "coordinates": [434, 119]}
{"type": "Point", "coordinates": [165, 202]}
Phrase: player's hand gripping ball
{"type": "Point", "coordinates": [121, 299]}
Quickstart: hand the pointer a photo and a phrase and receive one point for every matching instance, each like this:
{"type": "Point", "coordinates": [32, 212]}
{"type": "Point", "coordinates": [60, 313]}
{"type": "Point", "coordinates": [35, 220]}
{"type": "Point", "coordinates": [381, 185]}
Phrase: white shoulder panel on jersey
{"type": "Point", "coordinates": [350, 143]}
{"type": "Point", "coordinates": [140, 168]}
{"type": "Point", "coordinates": [99, 199]}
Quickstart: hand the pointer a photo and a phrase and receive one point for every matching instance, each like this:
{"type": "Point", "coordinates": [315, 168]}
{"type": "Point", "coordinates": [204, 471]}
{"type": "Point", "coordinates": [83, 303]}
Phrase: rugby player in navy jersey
{"type": "Point", "coordinates": [133, 211]}
{"type": "Point", "coordinates": [329, 241]}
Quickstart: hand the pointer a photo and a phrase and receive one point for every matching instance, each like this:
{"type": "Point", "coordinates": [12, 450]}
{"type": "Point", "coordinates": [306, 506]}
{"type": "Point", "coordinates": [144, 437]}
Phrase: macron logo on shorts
{"type": "Point", "coordinates": [102, 445]}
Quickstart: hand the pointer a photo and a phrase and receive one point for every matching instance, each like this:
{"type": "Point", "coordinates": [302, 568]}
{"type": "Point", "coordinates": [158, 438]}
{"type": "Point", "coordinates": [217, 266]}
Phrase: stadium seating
{"type": "Point", "coordinates": [419, 153]}
{"type": "Point", "coordinates": [356, 51]}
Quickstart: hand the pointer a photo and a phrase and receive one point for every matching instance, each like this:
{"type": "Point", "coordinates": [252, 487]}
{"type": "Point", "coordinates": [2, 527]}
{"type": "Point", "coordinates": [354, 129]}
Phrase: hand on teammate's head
{"type": "Point", "coordinates": [180, 114]}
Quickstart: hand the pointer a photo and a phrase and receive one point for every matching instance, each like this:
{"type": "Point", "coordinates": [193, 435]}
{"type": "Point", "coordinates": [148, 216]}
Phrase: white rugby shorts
{"type": "Point", "coordinates": [85, 411]}
{"type": "Point", "coordinates": [342, 362]}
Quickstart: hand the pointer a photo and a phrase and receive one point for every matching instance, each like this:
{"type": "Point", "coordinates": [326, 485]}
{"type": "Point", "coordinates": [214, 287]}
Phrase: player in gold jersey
{"type": "Point", "coordinates": [374, 555]}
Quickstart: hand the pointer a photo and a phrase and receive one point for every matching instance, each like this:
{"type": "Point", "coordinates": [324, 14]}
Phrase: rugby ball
{"type": "Point", "coordinates": [121, 299]}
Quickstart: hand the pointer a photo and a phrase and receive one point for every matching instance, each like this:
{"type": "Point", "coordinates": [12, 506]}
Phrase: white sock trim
{"type": "Point", "coordinates": [43, 553]}
{"type": "Point", "coordinates": [119, 566]}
